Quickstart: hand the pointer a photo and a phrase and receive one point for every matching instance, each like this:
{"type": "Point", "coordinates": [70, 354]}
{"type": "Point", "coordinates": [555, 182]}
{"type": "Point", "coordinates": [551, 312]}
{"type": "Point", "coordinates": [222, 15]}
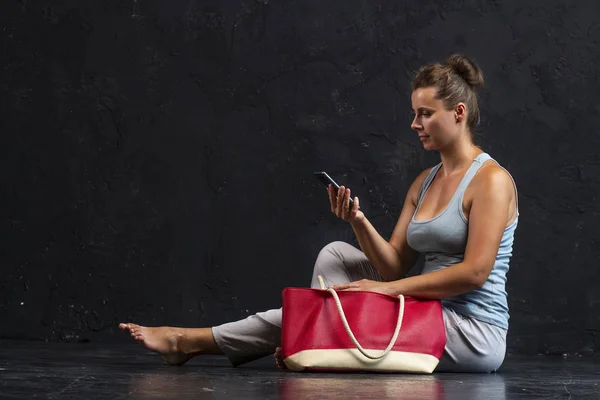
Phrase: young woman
{"type": "Point", "coordinates": [461, 215]}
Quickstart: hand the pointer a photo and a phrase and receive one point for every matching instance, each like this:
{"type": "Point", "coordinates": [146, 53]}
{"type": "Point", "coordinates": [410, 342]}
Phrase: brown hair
{"type": "Point", "coordinates": [456, 80]}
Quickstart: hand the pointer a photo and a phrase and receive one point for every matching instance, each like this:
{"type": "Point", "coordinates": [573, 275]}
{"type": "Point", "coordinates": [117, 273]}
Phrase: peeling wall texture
{"type": "Point", "coordinates": [157, 156]}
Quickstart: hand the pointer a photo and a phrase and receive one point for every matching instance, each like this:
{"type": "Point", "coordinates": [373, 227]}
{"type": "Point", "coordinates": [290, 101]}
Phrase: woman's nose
{"type": "Point", "coordinates": [416, 124]}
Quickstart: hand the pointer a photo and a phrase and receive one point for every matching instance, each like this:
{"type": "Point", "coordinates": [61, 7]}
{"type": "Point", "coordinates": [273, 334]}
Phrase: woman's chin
{"type": "Point", "coordinates": [428, 144]}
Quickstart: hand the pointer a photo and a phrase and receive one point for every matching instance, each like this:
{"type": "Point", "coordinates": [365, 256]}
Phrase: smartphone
{"type": "Point", "coordinates": [327, 180]}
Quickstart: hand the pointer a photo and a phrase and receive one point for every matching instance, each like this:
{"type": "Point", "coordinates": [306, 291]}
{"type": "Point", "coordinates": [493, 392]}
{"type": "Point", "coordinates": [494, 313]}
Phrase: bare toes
{"type": "Point", "coordinates": [279, 359]}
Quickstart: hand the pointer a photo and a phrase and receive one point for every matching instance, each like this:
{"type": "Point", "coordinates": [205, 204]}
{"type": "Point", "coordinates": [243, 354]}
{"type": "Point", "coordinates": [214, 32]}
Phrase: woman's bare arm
{"type": "Point", "coordinates": [395, 258]}
{"type": "Point", "coordinates": [487, 220]}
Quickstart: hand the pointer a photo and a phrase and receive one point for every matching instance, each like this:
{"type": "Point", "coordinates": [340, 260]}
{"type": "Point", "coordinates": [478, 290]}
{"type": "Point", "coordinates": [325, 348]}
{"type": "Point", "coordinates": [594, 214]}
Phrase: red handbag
{"type": "Point", "coordinates": [325, 330]}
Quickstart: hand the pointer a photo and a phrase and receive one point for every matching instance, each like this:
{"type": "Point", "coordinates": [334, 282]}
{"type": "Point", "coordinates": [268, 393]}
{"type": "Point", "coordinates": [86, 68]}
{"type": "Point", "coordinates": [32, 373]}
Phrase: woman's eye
{"type": "Point", "coordinates": [420, 114]}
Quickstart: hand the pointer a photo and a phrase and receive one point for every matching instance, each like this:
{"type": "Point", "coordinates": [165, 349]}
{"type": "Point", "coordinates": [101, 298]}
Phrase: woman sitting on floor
{"type": "Point", "coordinates": [461, 214]}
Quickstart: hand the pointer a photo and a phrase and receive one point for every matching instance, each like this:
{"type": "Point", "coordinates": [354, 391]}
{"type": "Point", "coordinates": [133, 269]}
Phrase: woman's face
{"type": "Point", "coordinates": [436, 126]}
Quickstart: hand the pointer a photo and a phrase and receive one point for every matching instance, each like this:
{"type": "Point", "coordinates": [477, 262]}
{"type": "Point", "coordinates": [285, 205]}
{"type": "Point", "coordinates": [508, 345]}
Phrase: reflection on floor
{"type": "Point", "coordinates": [85, 371]}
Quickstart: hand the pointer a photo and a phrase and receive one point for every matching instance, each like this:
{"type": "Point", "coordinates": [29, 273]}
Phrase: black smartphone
{"type": "Point", "coordinates": [327, 180]}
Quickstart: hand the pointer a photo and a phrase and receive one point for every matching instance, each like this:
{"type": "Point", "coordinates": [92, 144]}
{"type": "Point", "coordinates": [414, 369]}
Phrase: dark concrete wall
{"type": "Point", "coordinates": [156, 156]}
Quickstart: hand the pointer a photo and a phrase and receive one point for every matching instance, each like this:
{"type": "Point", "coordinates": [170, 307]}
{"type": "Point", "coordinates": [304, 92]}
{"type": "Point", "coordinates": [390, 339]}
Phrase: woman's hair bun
{"type": "Point", "coordinates": [466, 69]}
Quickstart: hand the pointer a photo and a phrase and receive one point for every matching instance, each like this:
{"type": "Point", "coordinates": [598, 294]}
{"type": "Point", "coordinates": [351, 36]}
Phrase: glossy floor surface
{"type": "Point", "coordinates": [85, 371]}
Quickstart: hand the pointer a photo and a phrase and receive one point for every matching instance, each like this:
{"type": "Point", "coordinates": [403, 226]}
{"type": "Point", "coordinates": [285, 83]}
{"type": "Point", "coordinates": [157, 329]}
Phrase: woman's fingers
{"type": "Point", "coordinates": [354, 207]}
{"type": "Point", "coordinates": [340, 201]}
{"type": "Point", "coordinates": [345, 286]}
{"type": "Point", "coordinates": [332, 198]}
{"type": "Point", "coordinates": [340, 287]}
{"type": "Point", "coordinates": [346, 205]}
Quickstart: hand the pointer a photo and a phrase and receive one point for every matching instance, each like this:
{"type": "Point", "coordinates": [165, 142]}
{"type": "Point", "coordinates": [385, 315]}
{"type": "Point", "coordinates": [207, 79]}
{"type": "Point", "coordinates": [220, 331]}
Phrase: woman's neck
{"type": "Point", "coordinates": [458, 156]}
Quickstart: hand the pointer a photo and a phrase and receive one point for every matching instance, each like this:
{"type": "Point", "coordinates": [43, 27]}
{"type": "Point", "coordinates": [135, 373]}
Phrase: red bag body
{"type": "Point", "coordinates": [314, 337]}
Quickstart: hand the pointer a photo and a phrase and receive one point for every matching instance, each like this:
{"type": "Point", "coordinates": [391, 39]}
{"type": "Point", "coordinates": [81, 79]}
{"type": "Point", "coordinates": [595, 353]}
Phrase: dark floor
{"type": "Point", "coordinates": [86, 371]}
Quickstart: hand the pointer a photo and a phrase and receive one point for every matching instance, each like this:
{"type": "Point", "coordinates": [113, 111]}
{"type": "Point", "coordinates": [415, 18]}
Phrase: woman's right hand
{"type": "Point", "coordinates": [340, 204]}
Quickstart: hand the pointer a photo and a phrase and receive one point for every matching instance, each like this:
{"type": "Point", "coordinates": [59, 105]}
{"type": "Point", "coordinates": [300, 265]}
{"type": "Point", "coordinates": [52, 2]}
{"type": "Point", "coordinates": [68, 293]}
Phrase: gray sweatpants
{"type": "Point", "coordinates": [472, 345]}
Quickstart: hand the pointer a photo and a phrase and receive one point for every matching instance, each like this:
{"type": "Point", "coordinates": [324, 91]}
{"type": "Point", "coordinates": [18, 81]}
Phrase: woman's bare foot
{"type": "Point", "coordinates": [279, 359]}
{"type": "Point", "coordinates": [169, 342]}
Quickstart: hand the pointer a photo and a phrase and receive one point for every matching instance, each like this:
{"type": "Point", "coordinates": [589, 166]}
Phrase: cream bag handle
{"type": "Point", "coordinates": [349, 331]}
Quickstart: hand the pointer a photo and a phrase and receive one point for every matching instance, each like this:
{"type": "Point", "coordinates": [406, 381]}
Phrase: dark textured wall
{"type": "Point", "coordinates": [156, 156]}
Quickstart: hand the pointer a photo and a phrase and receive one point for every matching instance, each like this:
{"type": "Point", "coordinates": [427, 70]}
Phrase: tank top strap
{"type": "Point", "coordinates": [427, 182]}
{"type": "Point", "coordinates": [470, 174]}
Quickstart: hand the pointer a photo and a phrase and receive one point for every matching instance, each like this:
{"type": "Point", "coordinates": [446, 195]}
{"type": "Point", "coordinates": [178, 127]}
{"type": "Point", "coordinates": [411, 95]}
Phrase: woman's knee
{"type": "Point", "coordinates": [331, 257]}
{"type": "Point", "coordinates": [336, 248]}
{"type": "Point", "coordinates": [337, 252]}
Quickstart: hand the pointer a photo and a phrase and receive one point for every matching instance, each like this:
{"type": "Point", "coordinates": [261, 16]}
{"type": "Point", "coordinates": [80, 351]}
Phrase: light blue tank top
{"type": "Point", "coordinates": [443, 240]}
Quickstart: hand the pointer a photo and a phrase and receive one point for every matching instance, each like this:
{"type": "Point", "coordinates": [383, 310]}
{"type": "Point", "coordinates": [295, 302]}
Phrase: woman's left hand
{"type": "Point", "coordinates": [366, 285]}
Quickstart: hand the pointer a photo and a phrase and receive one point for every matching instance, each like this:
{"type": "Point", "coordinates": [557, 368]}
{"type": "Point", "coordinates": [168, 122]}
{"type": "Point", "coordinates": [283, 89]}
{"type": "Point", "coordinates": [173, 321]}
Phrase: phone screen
{"type": "Point", "coordinates": [327, 180]}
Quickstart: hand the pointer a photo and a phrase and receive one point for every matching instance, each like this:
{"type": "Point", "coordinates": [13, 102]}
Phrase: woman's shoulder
{"type": "Point", "coordinates": [493, 176]}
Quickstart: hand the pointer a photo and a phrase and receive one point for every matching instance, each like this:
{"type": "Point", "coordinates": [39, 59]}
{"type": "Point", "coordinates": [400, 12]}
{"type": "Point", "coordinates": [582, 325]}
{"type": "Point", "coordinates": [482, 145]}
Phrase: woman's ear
{"type": "Point", "coordinates": [460, 112]}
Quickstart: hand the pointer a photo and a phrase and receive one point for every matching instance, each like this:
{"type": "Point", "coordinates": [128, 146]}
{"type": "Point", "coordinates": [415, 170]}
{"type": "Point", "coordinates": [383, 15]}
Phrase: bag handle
{"type": "Point", "coordinates": [349, 331]}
